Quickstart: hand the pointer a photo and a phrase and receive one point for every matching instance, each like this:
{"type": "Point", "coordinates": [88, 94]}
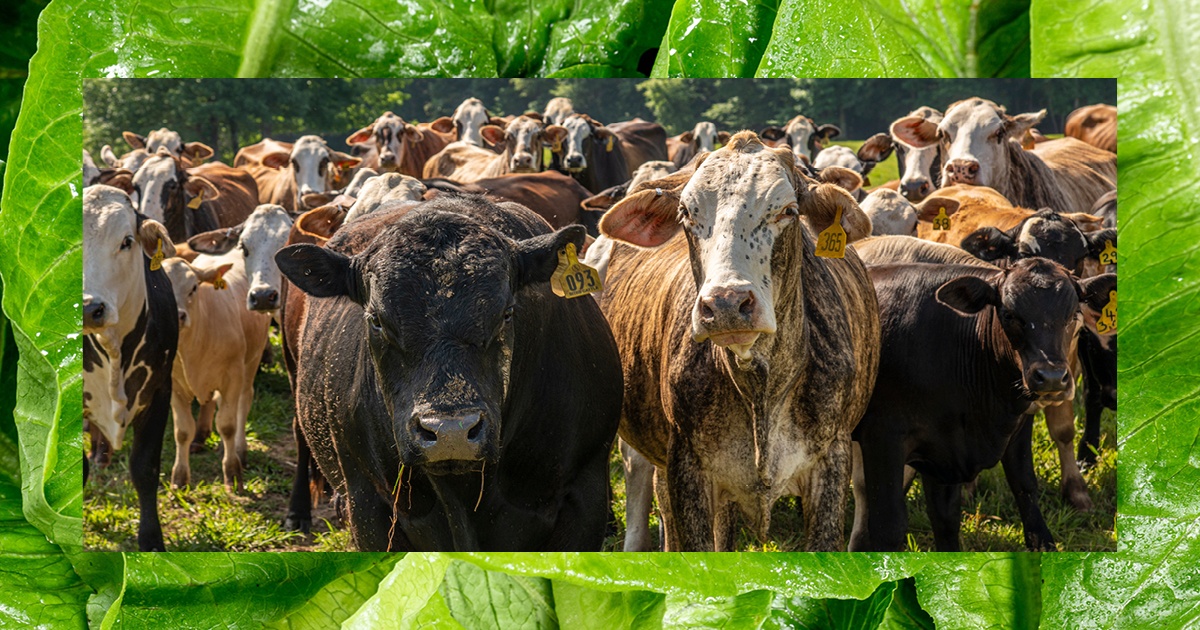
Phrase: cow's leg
{"type": "Point", "coordinates": [185, 429]}
{"type": "Point", "coordinates": [883, 473]}
{"type": "Point", "coordinates": [859, 538]}
{"type": "Point", "coordinates": [823, 498]}
{"type": "Point", "coordinates": [690, 496]}
{"type": "Point", "coordinates": [204, 426]}
{"type": "Point", "coordinates": [243, 418]}
{"type": "Point", "coordinates": [369, 515]}
{"type": "Point", "coordinates": [665, 518]}
{"type": "Point", "coordinates": [1093, 406]}
{"type": "Point", "coordinates": [144, 462]}
{"type": "Point", "coordinates": [639, 489]}
{"type": "Point", "coordinates": [227, 427]}
{"type": "Point", "coordinates": [943, 503]}
{"type": "Point", "coordinates": [299, 515]}
{"type": "Point", "coordinates": [724, 523]}
{"type": "Point", "coordinates": [1018, 470]}
{"type": "Point", "coordinates": [1060, 420]}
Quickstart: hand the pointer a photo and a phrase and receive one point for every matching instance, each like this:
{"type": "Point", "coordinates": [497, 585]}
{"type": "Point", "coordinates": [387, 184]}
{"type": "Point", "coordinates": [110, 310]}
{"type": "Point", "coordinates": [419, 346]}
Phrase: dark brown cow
{"type": "Point", "coordinates": [165, 190]}
{"type": "Point", "coordinates": [641, 142]}
{"type": "Point", "coordinates": [748, 359]}
{"type": "Point", "coordinates": [802, 134]}
{"type": "Point", "coordinates": [404, 147]}
{"type": "Point", "coordinates": [592, 154]}
{"type": "Point", "coordinates": [1095, 125]}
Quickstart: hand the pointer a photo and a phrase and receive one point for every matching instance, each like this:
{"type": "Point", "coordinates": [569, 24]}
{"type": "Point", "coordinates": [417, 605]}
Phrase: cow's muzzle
{"type": "Point", "coordinates": [522, 163]}
{"type": "Point", "coordinates": [264, 299]}
{"type": "Point", "coordinates": [450, 437]}
{"type": "Point", "coordinates": [916, 190]}
{"type": "Point", "coordinates": [963, 171]}
{"type": "Point", "coordinates": [731, 317]}
{"type": "Point", "coordinates": [575, 163]}
{"type": "Point", "coordinates": [1050, 382]}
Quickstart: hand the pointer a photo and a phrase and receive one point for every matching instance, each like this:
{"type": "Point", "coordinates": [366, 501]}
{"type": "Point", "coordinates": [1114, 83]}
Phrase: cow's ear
{"type": "Point", "coordinates": [321, 222]}
{"type": "Point", "coordinates": [277, 159]}
{"type": "Point", "coordinates": [876, 149]}
{"type": "Point", "coordinates": [772, 133]}
{"type": "Point", "coordinates": [604, 199]}
{"type": "Point", "coordinates": [320, 272]}
{"type": "Point", "coordinates": [210, 275]}
{"type": "Point", "coordinates": [1016, 126]}
{"type": "Point", "coordinates": [195, 185]}
{"type": "Point", "coordinates": [929, 209]}
{"type": "Point", "coordinates": [820, 205]}
{"type": "Point", "coordinates": [555, 135]}
{"type": "Point", "coordinates": [990, 244]}
{"type": "Point", "coordinates": [538, 256]}
{"type": "Point", "coordinates": [134, 140]}
{"type": "Point", "coordinates": [413, 133]}
{"type": "Point", "coordinates": [1094, 292]}
{"type": "Point", "coordinates": [647, 218]}
{"type": "Point", "coordinates": [968, 295]}
{"type": "Point", "coordinates": [1098, 241]}
{"type": "Point", "coordinates": [344, 160]}
{"type": "Point", "coordinates": [687, 137]}
{"type": "Point", "coordinates": [493, 134]}
{"type": "Point", "coordinates": [443, 125]}
{"type": "Point", "coordinates": [197, 152]}
{"type": "Point", "coordinates": [829, 132]}
{"type": "Point", "coordinates": [150, 234]}
{"type": "Point", "coordinates": [723, 137]}
{"type": "Point", "coordinates": [843, 178]}
{"type": "Point", "coordinates": [362, 135]}
{"type": "Point", "coordinates": [110, 158]}
{"type": "Point", "coordinates": [915, 131]}
{"type": "Point", "coordinates": [118, 178]}
{"type": "Point", "coordinates": [216, 242]}
{"type": "Point", "coordinates": [603, 133]}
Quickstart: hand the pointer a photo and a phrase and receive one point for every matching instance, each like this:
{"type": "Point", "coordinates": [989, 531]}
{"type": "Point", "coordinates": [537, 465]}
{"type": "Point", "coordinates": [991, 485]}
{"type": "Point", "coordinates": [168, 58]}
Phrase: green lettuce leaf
{"type": "Point", "coordinates": [403, 598]}
{"type": "Point", "coordinates": [1152, 581]}
{"type": "Point", "coordinates": [747, 611]}
{"type": "Point", "coordinates": [978, 590]}
{"type": "Point", "coordinates": [493, 600]}
{"type": "Point", "coordinates": [804, 613]}
{"type": "Point", "coordinates": [858, 38]}
{"type": "Point", "coordinates": [579, 608]}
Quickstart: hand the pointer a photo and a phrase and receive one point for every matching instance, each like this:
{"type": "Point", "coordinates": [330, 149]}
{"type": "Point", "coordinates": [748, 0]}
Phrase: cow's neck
{"type": "Point", "coordinates": [1008, 364]}
{"type": "Point", "coordinates": [1029, 182]}
{"type": "Point", "coordinates": [457, 497]}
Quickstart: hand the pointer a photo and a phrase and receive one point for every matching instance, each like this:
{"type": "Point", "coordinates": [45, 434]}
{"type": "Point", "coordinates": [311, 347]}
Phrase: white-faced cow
{"type": "Point", "coordinates": [920, 168]}
{"type": "Point", "coordinates": [803, 135]}
{"type": "Point", "coordinates": [891, 213]}
{"type": "Point", "coordinates": [592, 154]}
{"type": "Point", "coordinates": [748, 359]}
{"type": "Point", "coordinates": [521, 140]}
{"type": "Point", "coordinates": [876, 149]}
{"type": "Point", "coordinates": [404, 147]}
{"type": "Point", "coordinates": [432, 346]}
{"type": "Point", "coordinates": [970, 352]}
{"type": "Point", "coordinates": [983, 148]}
{"type": "Point", "coordinates": [166, 190]}
{"type": "Point", "coordinates": [130, 334]}
{"type": "Point", "coordinates": [256, 240]}
{"type": "Point", "coordinates": [142, 147]}
{"type": "Point", "coordinates": [687, 145]}
{"type": "Point", "coordinates": [285, 172]}
{"type": "Point", "coordinates": [469, 119]}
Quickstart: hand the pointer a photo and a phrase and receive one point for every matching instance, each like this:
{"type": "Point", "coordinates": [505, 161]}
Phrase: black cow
{"type": "Point", "coordinates": [592, 154]}
{"type": "Point", "coordinates": [1098, 355]}
{"type": "Point", "coordinates": [452, 399]}
{"type": "Point", "coordinates": [969, 354]}
{"type": "Point", "coordinates": [131, 326]}
{"type": "Point", "coordinates": [1046, 234]}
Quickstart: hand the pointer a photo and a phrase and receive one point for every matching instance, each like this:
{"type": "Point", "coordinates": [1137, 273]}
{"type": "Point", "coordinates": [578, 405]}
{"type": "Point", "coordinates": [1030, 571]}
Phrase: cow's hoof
{"type": "Point", "coordinates": [1077, 497]}
{"type": "Point", "coordinates": [196, 447]}
{"type": "Point", "coordinates": [302, 525]}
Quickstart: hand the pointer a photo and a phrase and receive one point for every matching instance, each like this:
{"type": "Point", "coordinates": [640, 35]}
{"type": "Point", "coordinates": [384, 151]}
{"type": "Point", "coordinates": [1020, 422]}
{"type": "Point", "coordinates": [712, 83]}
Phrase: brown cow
{"type": "Point", "coordinates": [687, 145]}
{"type": "Point", "coordinates": [286, 172]}
{"type": "Point", "coordinates": [404, 147]}
{"type": "Point", "coordinates": [165, 190]}
{"type": "Point", "coordinates": [1095, 125]}
{"type": "Point", "coordinates": [521, 139]}
{"type": "Point", "coordinates": [983, 148]}
{"type": "Point", "coordinates": [748, 359]}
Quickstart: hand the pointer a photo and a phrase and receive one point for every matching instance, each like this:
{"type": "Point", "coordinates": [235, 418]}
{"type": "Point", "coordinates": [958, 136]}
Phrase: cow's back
{"type": "Point", "coordinates": [641, 142]}
{"type": "Point", "coordinates": [238, 192]}
{"type": "Point", "coordinates": [551, 195]}
{"type": "Point", "coordinates": [1083, 172]}
{"type": "Point", "coordinates": [1095, 125]}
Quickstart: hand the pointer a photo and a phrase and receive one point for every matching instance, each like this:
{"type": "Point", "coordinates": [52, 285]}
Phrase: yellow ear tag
{"type": "Point", "coordinates": [831, 242]}
{"type": "Point", "coordinates": [219, 282]}
{"type": "Point", "coordinates": [941, 221]}
{"type": "Point", "coordinates": [1109, 255]}
{"type": "Point", "coordinates": [195, 202]}
{"type": "Point", "coordinates": [572, 278]}
{"type": "Point", "coordinates": [608, 145]}
{"type": "Point", "coordinates": [1107, 323]}
{"type": "Point", "coordinates": [547, 156]}
{"type": "Point", "coordinates": [157, 258]}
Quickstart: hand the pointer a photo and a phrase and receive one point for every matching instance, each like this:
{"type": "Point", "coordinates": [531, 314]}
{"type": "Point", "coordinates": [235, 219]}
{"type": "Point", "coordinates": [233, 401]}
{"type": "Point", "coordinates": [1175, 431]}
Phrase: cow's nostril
{"type": "Point", "coordinates": [475, 431]}
{"type": "Point", "coordinates": [747, 305]}
{"type": "Point", "coordinates": [426, 434]}
{"type": "Point", "coordinates": [94, 313]}
{"type": "Point", "coordinates": [706, 311]}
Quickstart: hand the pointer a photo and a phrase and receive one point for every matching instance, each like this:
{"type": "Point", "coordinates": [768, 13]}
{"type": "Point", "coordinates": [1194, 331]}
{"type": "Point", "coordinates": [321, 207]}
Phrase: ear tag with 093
{"type": "Point", "coordinates": [572, 278]}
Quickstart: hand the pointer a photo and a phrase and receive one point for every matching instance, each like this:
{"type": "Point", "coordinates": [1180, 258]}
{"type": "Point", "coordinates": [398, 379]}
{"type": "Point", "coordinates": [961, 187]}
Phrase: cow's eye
{"type": "Point", "coordinates": [323, 166]}
{"type": "Point", "coordinates": [245, 252]}
{"type": "Point", "coordinates": [685, 213]}
{"type": "Point", "coordinates": [375, 323]}
{"type": "Point", "coordinates": [127, 243]}
{"type": "Point", "coordinates": [508, 314]}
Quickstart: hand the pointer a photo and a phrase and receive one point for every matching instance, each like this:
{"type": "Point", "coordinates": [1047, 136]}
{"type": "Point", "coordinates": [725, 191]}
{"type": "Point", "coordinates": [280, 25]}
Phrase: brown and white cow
{"type": "Point", "coordinates": [285, 171]}
{"type": "Point", "coordinates": [592, 154]}
{"type": "Point", "coordinates": [521, 140]}
{"type": "Point", "coordinates": [404, 147]}
{"type": "Point", "coordinates": [687, 145]}
{"type": "Point", "coordinates": [220, 346]}
{"type": "Point", "coordinates": [165, 190]}
{"type": "Point", "coordinates": [891, 213]}
{"type": "Point", "coordinates": [130, 333]}
{"type": "Point", "coordinates": [142, 147]}
{"type": "Point", "coordinates": [803, 135]}
{"type": "Point", "coordinates": [257, 239]}
{"type": "Point", "coordinates": [983, 148]}
{"type": "Point", "coordinates": [920, 168]}
{"type": "Point", "coordinates": [641, 141]}
{"type": "Point", "coordinates": [747, 358]}
{"type": "Point", "coordinates": [1095, 125]}
{"type": "Point", "coordinates": [876, 149]}
{"type": "Point", "coordinates": [469, 119]}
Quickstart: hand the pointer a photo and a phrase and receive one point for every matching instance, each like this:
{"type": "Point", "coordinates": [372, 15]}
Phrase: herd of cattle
{"type": "Point", "coordinates": [738, 347]}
